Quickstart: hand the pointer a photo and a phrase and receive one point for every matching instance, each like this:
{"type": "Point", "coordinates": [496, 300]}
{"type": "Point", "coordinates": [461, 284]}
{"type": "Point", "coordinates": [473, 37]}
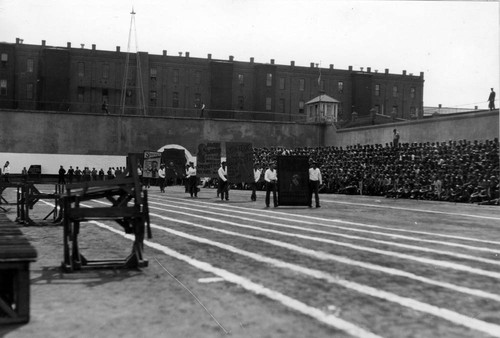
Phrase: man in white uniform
{"type": "Point", "coordinates": [271, 178]}
{"type": "Point", "coordinates": [314, 182]}
{"type": "Point", "coordinates": [223, 183]}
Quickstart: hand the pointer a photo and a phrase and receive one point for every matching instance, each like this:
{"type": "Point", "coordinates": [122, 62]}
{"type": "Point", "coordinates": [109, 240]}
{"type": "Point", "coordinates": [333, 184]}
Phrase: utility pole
{"type": "Point", "coordinates": [126, 89]}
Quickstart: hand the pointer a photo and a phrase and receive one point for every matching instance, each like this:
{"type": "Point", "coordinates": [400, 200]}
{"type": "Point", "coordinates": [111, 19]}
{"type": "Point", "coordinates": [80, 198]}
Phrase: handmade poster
{"type": "Point", "coordinates": [293, 180]}
{"type": "Point", "coordinates": [239, 160]}
{"type": "Point", "coordinates": [208, 159]}
{"type": "Point", "coordinates": [152, 160]}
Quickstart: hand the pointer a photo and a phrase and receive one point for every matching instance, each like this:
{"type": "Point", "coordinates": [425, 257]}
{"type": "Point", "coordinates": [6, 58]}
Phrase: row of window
{"type": "Point", "coordinates": [153, 94]}
{"type": "Point", "coordinates": [395, 91]}
{"type": "Point", "coordinates": [153, 73]}
{"type": "Point", "coordinates": [4, 57]}
{"type": "Point", "coordinates": [175, 99]}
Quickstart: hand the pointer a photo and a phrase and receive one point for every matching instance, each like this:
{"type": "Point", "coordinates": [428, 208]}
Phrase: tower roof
{"type": "Point", "coordinates": [323, 98]}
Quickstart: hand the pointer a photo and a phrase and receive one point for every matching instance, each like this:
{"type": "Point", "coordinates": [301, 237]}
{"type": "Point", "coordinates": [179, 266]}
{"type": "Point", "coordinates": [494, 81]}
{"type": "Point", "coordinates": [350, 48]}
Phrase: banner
{"type": "Point", "coordinates": [208, 159]}
{"type": "Point", "coordinates": [293, 180]}
{"type": "Point", "coordinates": [152, 160]}
{"type": "Point", "coordinates": [175, 163]}
{"type": "Point", "coordinates": [239, 160]}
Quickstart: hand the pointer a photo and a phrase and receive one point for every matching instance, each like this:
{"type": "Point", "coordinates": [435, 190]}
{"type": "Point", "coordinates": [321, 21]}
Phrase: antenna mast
{"type": "Point", "coordinates": [126, 86]}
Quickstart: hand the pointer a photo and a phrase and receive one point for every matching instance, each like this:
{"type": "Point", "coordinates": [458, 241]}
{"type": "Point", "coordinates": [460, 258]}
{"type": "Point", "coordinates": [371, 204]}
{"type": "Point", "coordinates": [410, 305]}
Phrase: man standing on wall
{"type": "Point", "coordinates": [202, 110]}
{"type": "Point", "coordinates": [491, 100]}
{"type": "Point", "coordinates": [395, 138]}
{"type": "Point", "coordinates": [223, 183]}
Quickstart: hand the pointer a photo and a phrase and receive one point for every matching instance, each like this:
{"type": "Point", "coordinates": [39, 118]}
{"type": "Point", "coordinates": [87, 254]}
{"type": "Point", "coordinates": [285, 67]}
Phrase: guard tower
{"type": "Point", "coordinates": [322, 109]}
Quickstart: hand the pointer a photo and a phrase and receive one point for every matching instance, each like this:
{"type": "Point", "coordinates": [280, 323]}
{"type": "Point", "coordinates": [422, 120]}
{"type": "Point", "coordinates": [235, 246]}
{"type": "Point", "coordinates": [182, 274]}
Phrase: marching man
{"type": "Point", "coordinates": [223, 183]}
{"type": "Point", "coordinates": [271, 178]}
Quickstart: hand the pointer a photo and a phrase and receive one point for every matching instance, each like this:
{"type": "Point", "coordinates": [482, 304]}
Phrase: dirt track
{"type": "Point", "coordinates": [138, 303]}
{"type": "Point", "coordinates": [151, 303]}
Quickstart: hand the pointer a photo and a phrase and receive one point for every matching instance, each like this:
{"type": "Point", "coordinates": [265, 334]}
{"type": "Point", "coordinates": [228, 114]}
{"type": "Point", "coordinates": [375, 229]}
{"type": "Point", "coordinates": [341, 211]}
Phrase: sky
{"type": "Point", "coordinates": [455, 43]}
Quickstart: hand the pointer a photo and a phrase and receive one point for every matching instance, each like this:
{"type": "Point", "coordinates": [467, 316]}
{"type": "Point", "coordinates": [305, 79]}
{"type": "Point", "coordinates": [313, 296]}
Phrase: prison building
{"type": "Point", "coordinates": [80, 79]}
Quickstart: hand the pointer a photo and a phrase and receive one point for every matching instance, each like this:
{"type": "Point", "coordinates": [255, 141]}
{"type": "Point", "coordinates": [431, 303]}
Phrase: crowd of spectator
{"type": "Point", "coordinates": [86, 174]}
{"type": "Point", "coordinates": [455, 171]}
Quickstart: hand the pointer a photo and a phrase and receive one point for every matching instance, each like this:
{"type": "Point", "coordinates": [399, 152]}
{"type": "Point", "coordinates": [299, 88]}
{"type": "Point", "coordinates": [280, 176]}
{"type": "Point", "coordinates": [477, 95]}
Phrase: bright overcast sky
{"type": "Point", "coordinates": [455, 43]}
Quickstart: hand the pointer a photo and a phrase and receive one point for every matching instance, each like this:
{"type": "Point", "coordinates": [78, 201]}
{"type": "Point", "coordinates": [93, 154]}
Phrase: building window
{"type": "Point", "coordinates": [3, 87]}
{"type": "Point", "coordinates": [175, 78]}
{"type": "Point", "coordinates": [175, 100]}
{"type": "Point", "coordinates": [322, 85]}
{"type": "Point", "coordinates": [395, 110]}
{"type": "Point", "coordinates": [197, 100]}
{"type": "Point", "coordinates": [197, 77]}
{"type": "Point", "coordinates": [241, 102]}
{"type": "Point", "coordinates": [412, 92]}
{"type": "Point", "coordinates": [340, 87]}
{"type": "Point", "coordinates": [395, 91]}
{"type": "Point", "coordinates": [282, 83]}
{"type": "Point", "coordinates": [105, 71]}
{"type": "Point", "coordinates": [377, 90]}
{"type": "Point", "coordinates": [4, 58]}
{"type": "Point", "coordinates": [302, 85]}
{"type": "Point", "coordinates": [81, 94]}
{"type": "Point", "coordinates": [240, 79]}
{"type": "Point", "coordinates": [281, 106]}
{"type": "Point", "coordinates": [152, 73]}
{"type": "Point", "coordinates": [29, 91]}
{"type": "Point", "coordinates": [81, 69]}
{"type": "Point", "coordinates": [269, 103]}
{"type": "Point", "coordinates": [413, 112]}
{"type": "Point", "coordinates": [104, 94]}
{"type": "Point", "coordinates": [301, 107]}
{"type": "Point", "coordinates": [377, 109]}
{"type": "Point", "coordinates": [152, 97]}
{"type": "Point", "coordinates": [29, 65]}
{"type": "Point", "coordinates": [269, 79]}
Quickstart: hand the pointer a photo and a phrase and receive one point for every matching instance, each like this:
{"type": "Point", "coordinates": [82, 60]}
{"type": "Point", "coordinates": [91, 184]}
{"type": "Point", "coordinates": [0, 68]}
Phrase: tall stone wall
{"type": "Point", "coordinates": [482, 125]}
{"type": "Point", "coordinates": [92, 134]}
{"type": "Point", "coordinates": [55, 138]}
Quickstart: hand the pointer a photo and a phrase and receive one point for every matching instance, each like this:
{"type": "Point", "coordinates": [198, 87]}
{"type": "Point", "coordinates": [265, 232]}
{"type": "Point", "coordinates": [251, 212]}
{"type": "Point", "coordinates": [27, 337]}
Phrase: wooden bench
{"type": "Point", "coordinates": [16, 253]}
{"type": "Point", "coordinates": [128, 207]}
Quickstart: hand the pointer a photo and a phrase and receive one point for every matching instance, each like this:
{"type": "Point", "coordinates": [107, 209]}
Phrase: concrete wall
{"type": "Point", "coordinates": [481, 125]}
{"type": "Point", "coordinates": [33, 132]}
{"type": "Point", "coordinates": [55, 138]}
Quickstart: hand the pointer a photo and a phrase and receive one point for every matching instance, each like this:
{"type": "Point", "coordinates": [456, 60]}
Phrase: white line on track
{"type": "Point", "coordinates": [274, 214]}
{"type": "Point", "coordinates": [326, 256]}
{"type": "Point", "coordinates": [440, 263]}
{"type": "Point", "coordinates": [444, 264]}
{"type": "Point", "coordinates": [411, 303]}
{"type": "Point", "coordinates": [210, 280]}
{"type": "Point", "coordinates": [415, 210]}
{"type": "Point", "coordinates": [322, 255]}
{"type": "Point", "coordinates": [472, 323]}
{"type": "Point", "coordinates": [408, 238]}
{"type": "Point", "coordinates": [257, 289]}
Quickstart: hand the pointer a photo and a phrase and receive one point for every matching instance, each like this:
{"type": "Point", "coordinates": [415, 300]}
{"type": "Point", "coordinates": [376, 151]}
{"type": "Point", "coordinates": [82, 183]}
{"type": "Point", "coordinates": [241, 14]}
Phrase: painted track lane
{"type": "Point", "coordinates": [405, 304]}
